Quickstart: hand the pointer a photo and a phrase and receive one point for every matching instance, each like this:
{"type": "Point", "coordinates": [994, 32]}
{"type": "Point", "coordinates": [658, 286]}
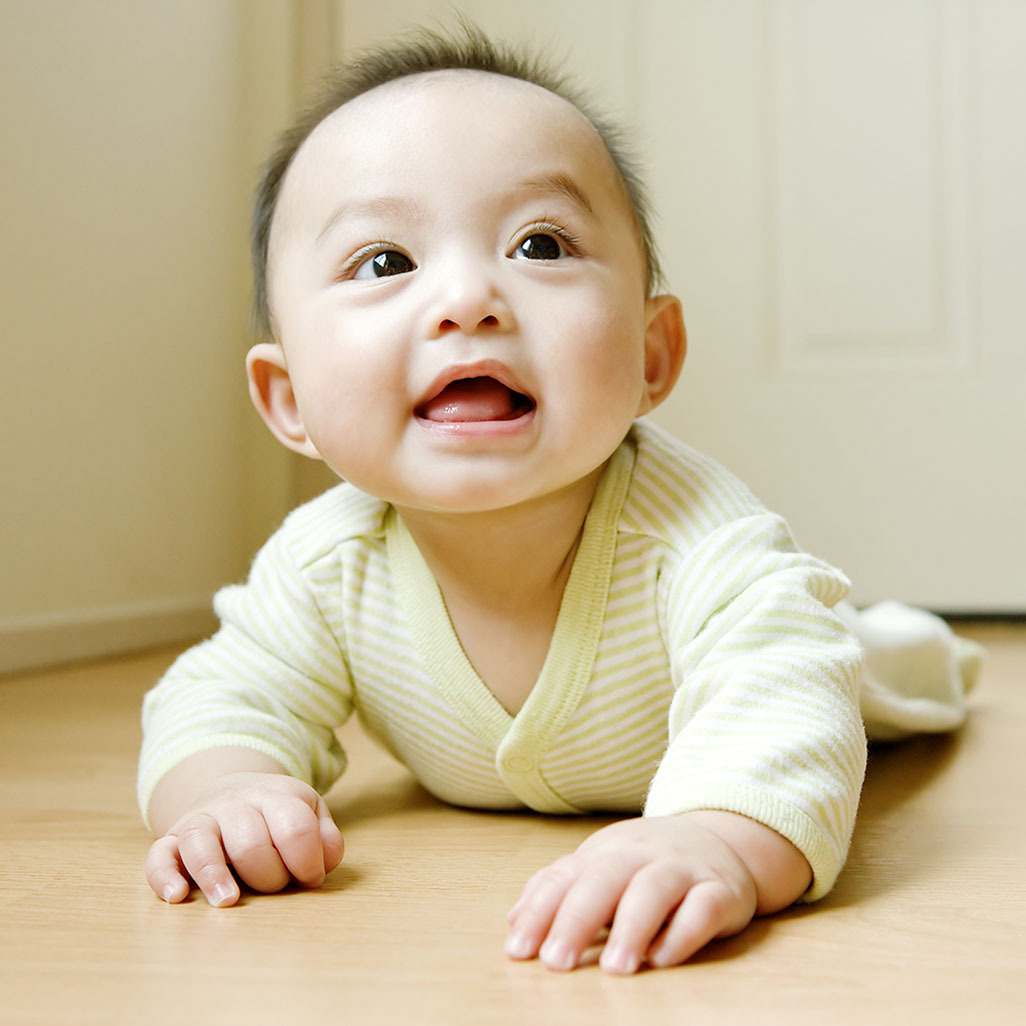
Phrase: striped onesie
{"type": "Point", "coordinates": [695, 664]}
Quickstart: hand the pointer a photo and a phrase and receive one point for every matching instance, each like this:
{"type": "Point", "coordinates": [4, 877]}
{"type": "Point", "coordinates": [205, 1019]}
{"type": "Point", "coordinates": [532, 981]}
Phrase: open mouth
{"type": "Point", "coordinates": [472, 400]}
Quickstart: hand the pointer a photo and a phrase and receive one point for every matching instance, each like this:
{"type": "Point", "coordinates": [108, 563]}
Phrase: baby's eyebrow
{"type": "Point", "coordinates": [377, 206]}
{"type": "Point", "coordinates": [561, 184]}
{"type": "Point", "coordinates": [557, 182]}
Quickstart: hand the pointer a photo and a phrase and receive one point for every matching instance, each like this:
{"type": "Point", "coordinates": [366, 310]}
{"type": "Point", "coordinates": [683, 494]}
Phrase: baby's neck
{"type": "Point", "coordinates": [502, 576]}
{"type": "Point", "coordinates": [507, 556]}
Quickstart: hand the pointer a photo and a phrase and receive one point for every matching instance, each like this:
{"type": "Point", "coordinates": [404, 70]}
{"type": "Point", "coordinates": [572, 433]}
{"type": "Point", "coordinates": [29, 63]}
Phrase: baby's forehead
{"type": "Point", "coordinates": [515, 112]}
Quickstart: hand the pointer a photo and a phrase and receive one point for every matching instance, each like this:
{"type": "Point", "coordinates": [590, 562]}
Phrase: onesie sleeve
{"type": "Point", "coordinates": [765, 719]}
{"type": "Point", "coordinates": [273, 678]}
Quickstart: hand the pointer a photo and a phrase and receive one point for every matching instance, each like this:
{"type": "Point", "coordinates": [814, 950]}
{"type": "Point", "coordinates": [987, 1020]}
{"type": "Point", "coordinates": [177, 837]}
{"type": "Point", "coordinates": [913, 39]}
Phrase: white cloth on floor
{"type": "Point", "coordinates": [917, 673]}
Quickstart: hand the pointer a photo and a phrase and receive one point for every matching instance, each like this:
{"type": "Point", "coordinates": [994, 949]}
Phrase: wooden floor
{"type": "Point", "coordinates": [927, 924]}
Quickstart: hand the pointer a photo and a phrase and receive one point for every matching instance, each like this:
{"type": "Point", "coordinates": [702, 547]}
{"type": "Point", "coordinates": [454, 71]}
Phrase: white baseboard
{"type": "Point", "coordinates": [36, 642]}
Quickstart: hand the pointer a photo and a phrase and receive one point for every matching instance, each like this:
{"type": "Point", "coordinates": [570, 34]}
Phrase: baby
{"type": "Point", "coordinates": [529, 596]}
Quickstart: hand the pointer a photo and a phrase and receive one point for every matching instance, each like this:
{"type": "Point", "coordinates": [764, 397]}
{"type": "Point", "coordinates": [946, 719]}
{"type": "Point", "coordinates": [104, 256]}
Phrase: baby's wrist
{"type": "Point", "coordinates": [780, 872]}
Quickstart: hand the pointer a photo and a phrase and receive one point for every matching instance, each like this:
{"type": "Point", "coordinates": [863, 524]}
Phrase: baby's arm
{"type": "Point", "coordinates": [239, 736]}
{"type": "Point", "coordinates": [667, 884]}
{"type": "Point", "coordinates": [237, 809]}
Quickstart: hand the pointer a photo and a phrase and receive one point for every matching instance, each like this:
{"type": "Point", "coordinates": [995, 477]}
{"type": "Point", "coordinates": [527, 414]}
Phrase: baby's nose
{"type": "Point", "coordinates": [469, 301]}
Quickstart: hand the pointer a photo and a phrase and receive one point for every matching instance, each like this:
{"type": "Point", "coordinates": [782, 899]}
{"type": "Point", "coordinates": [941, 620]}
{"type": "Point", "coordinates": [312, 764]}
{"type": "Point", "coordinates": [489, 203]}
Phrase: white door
{"type": "Point", "coordinates": [841, 196]}
{"type": "Point", "coordinates": [843, 191]}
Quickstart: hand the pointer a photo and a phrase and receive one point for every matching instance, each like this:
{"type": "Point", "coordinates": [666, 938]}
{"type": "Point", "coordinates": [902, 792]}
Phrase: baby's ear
{"type": "Point", "coordinates": [666, 343]}
{"type": "Point", "coordinates": [270, 388]}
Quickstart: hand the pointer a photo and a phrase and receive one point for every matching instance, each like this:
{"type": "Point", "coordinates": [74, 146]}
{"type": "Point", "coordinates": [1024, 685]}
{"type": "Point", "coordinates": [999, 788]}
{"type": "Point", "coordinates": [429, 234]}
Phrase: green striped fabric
{"type": "Point", "coordinates": [695, 664]}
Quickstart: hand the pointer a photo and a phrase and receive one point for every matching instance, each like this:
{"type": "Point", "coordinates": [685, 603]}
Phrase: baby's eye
{"type": "Point", "coordinates": [540, 246]}
{"type": "Point", "coordinates": [383, 264]}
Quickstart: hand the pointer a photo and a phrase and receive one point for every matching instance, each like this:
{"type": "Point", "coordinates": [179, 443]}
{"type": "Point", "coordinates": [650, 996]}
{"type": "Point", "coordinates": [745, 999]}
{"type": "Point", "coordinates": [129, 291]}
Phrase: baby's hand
{"type": "Point", "coordinates": [668, 885]}
{"type": "Point", "coordinates": [269, 827]}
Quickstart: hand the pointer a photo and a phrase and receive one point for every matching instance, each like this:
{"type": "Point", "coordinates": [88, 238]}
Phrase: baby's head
{"type": "Point", "coordinates": [454, 265]}
{"type": "Point", "coordinates": [424, 52]}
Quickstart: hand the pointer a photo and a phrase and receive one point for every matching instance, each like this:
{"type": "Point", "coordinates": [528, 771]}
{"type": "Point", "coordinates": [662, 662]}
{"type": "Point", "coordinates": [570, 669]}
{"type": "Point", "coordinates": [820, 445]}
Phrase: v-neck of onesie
{"type": "Point", "coordinates": [570, 659]}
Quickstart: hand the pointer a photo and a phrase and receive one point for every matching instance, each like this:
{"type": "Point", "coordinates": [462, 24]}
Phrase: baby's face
{"type": "Point", "coordinates": [458, 287]}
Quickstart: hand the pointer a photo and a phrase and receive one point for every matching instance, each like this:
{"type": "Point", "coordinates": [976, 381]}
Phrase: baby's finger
{"type": "Point", "coordinates": [532, 915]}
{"type": "Point", "coordinates": [535, 885]}
{"type": "Point", "coordinates": [295, 831]}
{"type": "Point", "coordinates": [585, 910]}
{"type": "Point", "coordinates": [164, 871]}
{"type": "Point", "coordinates": [248, 845]}
{"type": "Point", "coordinates": [709, 910]}
{"type": "Point", "coordinates": [649, 899]}
{"type": "Point", "coordinates": [332, 845]}
{"type": "Point", "coordinates": [199, 846]}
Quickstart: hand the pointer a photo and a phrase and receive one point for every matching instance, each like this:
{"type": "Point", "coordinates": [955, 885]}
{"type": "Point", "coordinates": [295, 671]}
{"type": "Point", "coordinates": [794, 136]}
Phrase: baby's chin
{"type": "Point", "coordinates": [497, 498]}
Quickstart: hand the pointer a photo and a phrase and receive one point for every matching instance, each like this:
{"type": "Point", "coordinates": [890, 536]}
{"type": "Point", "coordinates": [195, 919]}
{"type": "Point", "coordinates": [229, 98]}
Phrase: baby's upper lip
{"type": "Point", "coordinates": [477, 369]}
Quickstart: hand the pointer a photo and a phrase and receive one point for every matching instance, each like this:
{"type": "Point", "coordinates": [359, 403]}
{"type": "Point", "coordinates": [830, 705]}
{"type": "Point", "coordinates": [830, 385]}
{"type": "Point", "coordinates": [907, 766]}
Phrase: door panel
{"type": "Point", "coordinates": [842, 217]}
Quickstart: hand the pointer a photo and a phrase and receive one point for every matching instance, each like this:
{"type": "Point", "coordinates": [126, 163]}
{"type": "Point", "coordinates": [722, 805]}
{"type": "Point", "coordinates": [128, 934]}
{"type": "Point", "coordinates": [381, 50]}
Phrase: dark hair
{"type": "Point", "coordinates": [424, 50]}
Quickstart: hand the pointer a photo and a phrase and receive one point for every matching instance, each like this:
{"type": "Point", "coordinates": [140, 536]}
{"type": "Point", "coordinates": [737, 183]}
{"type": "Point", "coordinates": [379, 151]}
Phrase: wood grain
{"type": "Point", "coordinates": [926, 925]}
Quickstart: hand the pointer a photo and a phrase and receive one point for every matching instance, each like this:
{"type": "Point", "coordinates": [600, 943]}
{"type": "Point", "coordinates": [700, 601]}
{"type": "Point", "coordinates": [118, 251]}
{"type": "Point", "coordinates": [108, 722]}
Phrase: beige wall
{"type": "Point", "coordinates": [136, 479]}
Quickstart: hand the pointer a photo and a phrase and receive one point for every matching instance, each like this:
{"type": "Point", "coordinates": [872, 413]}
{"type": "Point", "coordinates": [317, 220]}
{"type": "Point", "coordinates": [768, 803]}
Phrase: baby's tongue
{"type": "Point", "coordinates": [471, 399]}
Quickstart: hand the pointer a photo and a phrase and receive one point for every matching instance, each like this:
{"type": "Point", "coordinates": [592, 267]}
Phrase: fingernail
{"type": "Point", "coordinates": [518, 945]}
{"type": "Point", "coordinates": [222, 895]}
{"type": "Point", "coordinates": [617, 960]}
{"type": "Point", "coordinates": [659, 958]}
{"type": "Point", "coordinates": [168, 892]}
{"type": "Point", "coordinates": [556, 955]}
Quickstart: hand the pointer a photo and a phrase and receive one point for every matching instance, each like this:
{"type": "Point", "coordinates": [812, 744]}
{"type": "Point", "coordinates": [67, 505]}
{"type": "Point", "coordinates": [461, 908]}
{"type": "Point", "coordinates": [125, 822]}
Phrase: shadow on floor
{"type": "Point", "coordinates": [885, 852]}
